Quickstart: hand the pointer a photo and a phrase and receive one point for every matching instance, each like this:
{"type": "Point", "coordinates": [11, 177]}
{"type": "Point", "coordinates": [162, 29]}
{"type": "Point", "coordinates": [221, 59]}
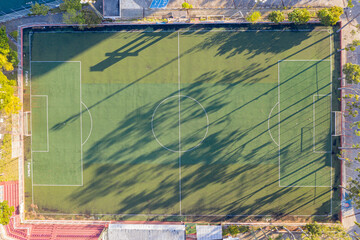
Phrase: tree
{"type": "Point", "coordinates": [90, 17]}
{"type": "Point", "coordinates": [8, 102]}
{"type": "Point", "coordinates": [70, 4]}
{"type": "Point", "coordinates": [186, 5]}
{"type": "Point", "coordinates": [276, 16]}
{"type": "Point", "coordinates": [5, 212]}
{"type": "Point", "coordinates": [352, 73]}
{"type": "Point", "coordinates": [39, 9]}
{"type": "Point", "coordinates": [73, 17]}
{"type": "Point", "coordinates": [254, 17]}
{"type": "Point", "coordinates": [315, 231]}
{"type": "Point", "coordinates": [330, 16]}
{"type": "Point", "coordinates": [350, 4]}
{"type": "Point", "coordinates": [8, 57]}
{"type": "Point", "coordinates": [299, 16]}
{"type": "Point", "coordinates": [352, 46]}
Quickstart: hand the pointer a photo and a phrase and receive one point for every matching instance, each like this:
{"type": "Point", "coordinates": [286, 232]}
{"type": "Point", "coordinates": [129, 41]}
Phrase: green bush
{"type": "Point", "coordinates": [254, 17]}
{"type": "Point", "coordinates": [186, 5]}
{"type": "Point", "coordinates": [276, 16]}
{"type": "Point", "coordinates": [330, 16]}
{"type": "Point", "coordinates": [14, 34]}
{"type": "Point", "coordinates": [70, 4]}
{"type": "Point", "coordinates": [90, 17]}
{"type": "Point", "coordinates": [39, 9]}
{"type": "Point", "coordinates": [5, 213]}
{"type": "Point", "coordinates": [299, 16]}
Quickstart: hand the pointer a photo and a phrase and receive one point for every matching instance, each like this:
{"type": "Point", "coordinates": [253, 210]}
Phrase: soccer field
{"type": "Point", "coordinates": [182, 121]}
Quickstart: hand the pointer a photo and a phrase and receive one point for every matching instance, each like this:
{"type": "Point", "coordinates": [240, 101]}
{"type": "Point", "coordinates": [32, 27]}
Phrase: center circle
{"type": "Point", "coordinates": [180, 123]}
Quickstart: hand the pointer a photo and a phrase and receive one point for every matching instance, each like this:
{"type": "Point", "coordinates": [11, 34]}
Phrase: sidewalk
{"type": "Point", "coordinates": [350, 33]}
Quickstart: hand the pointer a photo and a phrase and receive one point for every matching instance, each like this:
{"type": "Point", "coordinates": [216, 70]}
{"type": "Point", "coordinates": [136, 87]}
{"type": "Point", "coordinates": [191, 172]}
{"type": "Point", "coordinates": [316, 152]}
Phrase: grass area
{"type": "Point", "coordinates": [183, 123]}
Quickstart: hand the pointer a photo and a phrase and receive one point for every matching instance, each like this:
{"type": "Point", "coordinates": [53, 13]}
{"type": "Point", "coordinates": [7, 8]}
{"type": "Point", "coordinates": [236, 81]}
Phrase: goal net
{"type": "Point", "coordinates": [27, 125]}
{"type": "Point", "coordinates": [338, 123]}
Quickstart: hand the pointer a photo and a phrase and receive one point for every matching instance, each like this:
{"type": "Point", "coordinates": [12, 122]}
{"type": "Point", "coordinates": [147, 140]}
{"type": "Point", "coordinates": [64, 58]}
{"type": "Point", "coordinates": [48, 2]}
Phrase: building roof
{"type": "Point", "coordinates": [146, 232]}
{"type": "Point", "coordinates": [207, 232]}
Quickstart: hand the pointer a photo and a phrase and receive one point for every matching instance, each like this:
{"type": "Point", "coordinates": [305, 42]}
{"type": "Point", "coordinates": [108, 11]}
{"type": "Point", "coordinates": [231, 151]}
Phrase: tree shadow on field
{"type": "Point", "coordinates": [140, 176]}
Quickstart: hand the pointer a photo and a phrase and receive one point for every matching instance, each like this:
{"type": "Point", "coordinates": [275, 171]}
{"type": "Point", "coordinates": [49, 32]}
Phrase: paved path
{"type": "Point", "coordinates": [351, 32]}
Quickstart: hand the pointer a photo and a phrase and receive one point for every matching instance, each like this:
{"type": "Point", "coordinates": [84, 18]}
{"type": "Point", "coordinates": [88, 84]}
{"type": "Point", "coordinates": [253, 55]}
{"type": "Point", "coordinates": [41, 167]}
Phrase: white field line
{"type": "Point", "coordinates": [31, 153]}
{"type": "Point", "coordinates": [304, 60]}
{"type": "Point", "coordinates": [47, 124]}
{"type": "Point", "coordinates": [145, 215]}
{"type": "Point", "coordinates": [279, 122]}
{"type": "Point", "coordinates": [81, 149]}
{"type": "Point", "coordinates": [200, 30]}
{"type": "Point", "coordinates": [331, 123]}
{"type": "Point", "coordinates": [91, 123]}
{"type": "Point", "coordinates": [179, 90]}
{"type": "Point", "coordinates": [314, 122]}
{"type": "Point", "coordinates": [269, 124]}
{"type": "Point", "coordinates": [81, 140]}
{"type": "Point", "coordinates": [56, 185]}
{"type": "Point", "coordinates": [309, 186]}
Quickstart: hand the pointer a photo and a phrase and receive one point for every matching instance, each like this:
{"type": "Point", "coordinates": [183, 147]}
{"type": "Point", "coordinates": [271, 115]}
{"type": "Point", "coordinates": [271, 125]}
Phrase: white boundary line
{"type": "Point", "coordinates": [190, 30]}
{"type": "Point", "coordinates": [31, 153]}
{"type": "Point", "coordinates": [269, 124]}
{"type": "Point", "coordinates": [47, 125]}
{"type": "Point", "coordinates": [81, 149]}
{"type": "Point", "coordinates": [331, 123]}
{"type": "Point", "coordinates": [173, 215]}
{"type": "Point", "coordinates": [279, 122]}
{"type": "Point", "coordinates": [314, 120]}
{"type": "Point", "coordinates": [179, 106]}
{"type": "Point", "coordinates": [179, 92]}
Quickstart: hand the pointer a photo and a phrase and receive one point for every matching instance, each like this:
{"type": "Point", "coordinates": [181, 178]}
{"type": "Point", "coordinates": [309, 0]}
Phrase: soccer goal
{"type": "Point", "coordinates": [27, 125]}
{"type": "Point", "coordinates": [338, 115]}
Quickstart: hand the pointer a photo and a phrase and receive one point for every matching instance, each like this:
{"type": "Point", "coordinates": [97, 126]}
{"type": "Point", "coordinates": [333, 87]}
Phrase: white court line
{"type": "Point", "coordinates": [179, 89]}
{"type": "Point", "coordinates": [308, 186]}
{"type": "Point", "coordinates": [31, 153]}
{"type": "Point", "coordinates": [304, 60]}
{"type": "Point", "coordinates": [331, 123]}
{"type": "Point", "coordinates": [279, 120]}
{"type": "Point", "coordinates": [47, 124]}
{"type": "Point", "coordinates": [52, 185]}
{"type": "Point", "coordinates": [269, 124]}
{"type": "Point", "coordinates": [80, 113]}
{"type": "Point", "coordinates": [190, 30]}
{"type": "Point", "coordinates": [191, 215]}
{"type": "Point", "coordinates": [314, 122]}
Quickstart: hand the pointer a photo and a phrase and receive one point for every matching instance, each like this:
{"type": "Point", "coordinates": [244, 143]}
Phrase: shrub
{"type": "Point", "coordinates": [39, 9]}
{"type": "Point", "coordinates": [14, 34]}
{"type": "Point", "coordinates": [254, 17]}
{"type": "Point", "coordinates": [330, 16]}
{"type": "Point", "coordinates": [90, 17]}
{"type": "Point", "coordinates": [186, 5]}
{"type": "Point", "coordinates": [70, 4]}
{"type": "Point", "coordinates": [299, 16]}
{"type": "Point", "coordinates": [5, 213]}
{"type": "Point", "coordinates": [276, 16]}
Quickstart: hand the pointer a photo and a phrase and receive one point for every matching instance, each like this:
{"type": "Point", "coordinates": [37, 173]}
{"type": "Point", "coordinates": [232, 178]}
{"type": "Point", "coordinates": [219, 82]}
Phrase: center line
{"type": "Point", "coordinates": [179, 89]}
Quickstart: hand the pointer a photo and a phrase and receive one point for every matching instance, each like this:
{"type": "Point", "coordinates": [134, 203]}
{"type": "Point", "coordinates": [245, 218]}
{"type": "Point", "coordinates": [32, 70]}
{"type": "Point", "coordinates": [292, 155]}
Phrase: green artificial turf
{"type": "Point", "coordinates": [185, 123]}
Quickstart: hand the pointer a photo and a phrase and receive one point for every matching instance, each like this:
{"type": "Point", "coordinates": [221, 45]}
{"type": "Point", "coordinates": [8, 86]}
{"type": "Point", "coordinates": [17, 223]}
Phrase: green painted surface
{"type": "Point", "coordinates": [227, 79]}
